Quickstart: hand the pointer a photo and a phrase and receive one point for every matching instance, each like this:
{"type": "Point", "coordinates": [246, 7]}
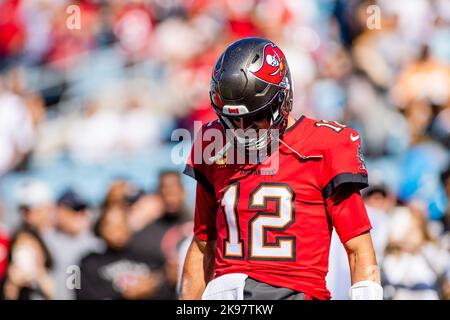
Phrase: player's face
{"type": "Point", "coordinates": [255, 122]}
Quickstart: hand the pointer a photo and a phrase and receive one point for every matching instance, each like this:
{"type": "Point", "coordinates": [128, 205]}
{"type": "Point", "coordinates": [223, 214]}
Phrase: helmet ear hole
{"type": "Point", "coordinates": [255, 58]}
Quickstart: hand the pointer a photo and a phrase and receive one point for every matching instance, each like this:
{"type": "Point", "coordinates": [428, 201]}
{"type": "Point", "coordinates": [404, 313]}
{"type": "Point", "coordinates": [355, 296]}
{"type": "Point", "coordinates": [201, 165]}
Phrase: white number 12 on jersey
{"type": "Point", "coordinates": [258, 246]}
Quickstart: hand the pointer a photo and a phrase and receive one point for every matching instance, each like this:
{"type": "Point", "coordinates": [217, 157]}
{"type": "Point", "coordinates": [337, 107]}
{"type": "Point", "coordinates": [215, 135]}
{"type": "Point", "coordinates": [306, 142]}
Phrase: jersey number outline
{"type": "Point", "coordinates": [259, 248]}
{"type": "Point", "coordinates": [334, 125]}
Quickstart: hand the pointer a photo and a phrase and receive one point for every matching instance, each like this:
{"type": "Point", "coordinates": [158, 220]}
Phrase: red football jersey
{"type": "Point", "coordinates": [276, 227]}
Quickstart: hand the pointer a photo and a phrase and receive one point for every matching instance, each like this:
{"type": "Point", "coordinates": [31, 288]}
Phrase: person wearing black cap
{"type": "Point", "coordinates": [72, 215]}
{"type": "Point", "coordinates": [71, 239]}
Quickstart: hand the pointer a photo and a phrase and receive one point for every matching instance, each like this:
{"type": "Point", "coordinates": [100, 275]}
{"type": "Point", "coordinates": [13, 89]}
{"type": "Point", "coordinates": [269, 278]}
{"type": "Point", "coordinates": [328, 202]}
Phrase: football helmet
{"type": "Point", "coordinates": [251, 81]}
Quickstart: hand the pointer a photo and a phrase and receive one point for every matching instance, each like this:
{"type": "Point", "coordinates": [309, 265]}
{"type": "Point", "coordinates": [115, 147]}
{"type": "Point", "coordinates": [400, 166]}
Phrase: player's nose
{"type": "Point", "coordinates": [242, 123]}
{"type": "Point", "coordinates": [246, 124]}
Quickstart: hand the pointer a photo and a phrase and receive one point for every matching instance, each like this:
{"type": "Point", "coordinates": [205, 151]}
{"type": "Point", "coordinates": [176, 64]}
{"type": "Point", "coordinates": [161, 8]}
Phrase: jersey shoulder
{"type": "Point", "coordinates": [209, 143]}
{"type": "Point", "coordinates": [210, 131]}
{"type": "Point", "coordinates": [330, 135]}
{"type": "Point", "coordinates": [213, 125]}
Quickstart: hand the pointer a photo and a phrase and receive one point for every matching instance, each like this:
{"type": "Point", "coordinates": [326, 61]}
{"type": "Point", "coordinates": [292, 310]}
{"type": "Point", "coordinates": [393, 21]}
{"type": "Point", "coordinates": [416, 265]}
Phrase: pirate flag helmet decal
{"type": "Point", "coordinates": [273, 68]}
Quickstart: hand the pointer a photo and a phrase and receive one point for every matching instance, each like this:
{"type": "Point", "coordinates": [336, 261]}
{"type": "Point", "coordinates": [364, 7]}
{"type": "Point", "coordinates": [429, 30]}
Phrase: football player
{"type": "Point", "coordinates": [262, 231]}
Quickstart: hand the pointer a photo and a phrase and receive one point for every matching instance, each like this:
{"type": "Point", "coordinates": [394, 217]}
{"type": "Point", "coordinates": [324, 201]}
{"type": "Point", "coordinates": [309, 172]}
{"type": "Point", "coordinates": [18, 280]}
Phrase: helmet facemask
{"type": "Point", "coordinates": [247, 135]}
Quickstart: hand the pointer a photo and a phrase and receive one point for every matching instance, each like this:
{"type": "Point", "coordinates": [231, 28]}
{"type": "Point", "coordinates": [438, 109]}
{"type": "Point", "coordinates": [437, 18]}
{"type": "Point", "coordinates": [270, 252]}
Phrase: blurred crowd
{"type": "Point", "coordinates": [87, 111]}
{"type": "Point", "coordinates": [130, 251]}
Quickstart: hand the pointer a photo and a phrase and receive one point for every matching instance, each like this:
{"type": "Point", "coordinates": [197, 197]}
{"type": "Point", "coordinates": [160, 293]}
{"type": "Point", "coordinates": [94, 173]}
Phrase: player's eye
{"type": "Point", "coordinates": [242, 123]}
{"type": "Point", "coordinates": [259, 117]}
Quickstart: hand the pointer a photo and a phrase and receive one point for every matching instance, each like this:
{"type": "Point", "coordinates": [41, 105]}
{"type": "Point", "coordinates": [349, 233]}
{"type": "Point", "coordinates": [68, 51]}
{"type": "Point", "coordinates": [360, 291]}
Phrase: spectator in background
{"type": "Point", "coordinates": [132, 26]}
{"type": "Point", "coordinates": [116, 194]}
{"type": "Point", "coordinates": [424, 79]}
{"type": "Point", "coordinates": [175, 222]}
{"type": "Point", "coordinates": [159, 224]}
{"type": "Point", "coordinates": [418, 115]}
{"type": "Point", "coordinates": [173, 196]}
{"type": "Point", "coordinates": [117, 272]}
{"type": "Point", "coordinates": [16, 83]}
{"type": "Point", "coordinates": [379, 203]}
{"type": "Point", "coordinates": [94, 137]}
{"type": "Point", "coordinates": [141, 128]}
{"type": "Point", "coordinates": [16, 129]}
{"type": "Point", "coordinates": [414, 263]}
{"type": "Point", "coordinates": [144, 210]}
{"type": "Point", "coordinates": [29, 264]}
{"type": "Point", "coordinates": [71, 240]}
{"type": "Point", "coordinates": [67, 45]}
{"type": "Point", "coordinates": [36, 205]}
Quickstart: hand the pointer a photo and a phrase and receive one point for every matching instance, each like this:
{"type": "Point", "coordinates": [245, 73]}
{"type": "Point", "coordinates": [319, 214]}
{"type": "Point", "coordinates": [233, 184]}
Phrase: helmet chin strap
{"type": "Point", "coordinates": [297, 153]}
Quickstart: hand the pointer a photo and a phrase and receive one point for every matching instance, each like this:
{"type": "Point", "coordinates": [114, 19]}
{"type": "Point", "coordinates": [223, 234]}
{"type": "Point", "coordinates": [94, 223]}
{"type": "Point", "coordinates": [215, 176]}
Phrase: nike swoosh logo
{"type": "Point", "coordinates": [354, 138]}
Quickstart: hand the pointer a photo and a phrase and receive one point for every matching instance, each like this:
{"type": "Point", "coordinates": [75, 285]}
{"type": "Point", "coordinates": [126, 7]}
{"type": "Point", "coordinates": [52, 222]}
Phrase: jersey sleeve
{"type": "Point", "coordinates": [344, 163]}
{"type": "Point", "coordinates": [348, 213]}
{"type": "Point", "coordinates": [197, 167]}
{"type": "Point", "coordinates": [201, 169]}
{"type": "Point", "coordinates": [205, 215]}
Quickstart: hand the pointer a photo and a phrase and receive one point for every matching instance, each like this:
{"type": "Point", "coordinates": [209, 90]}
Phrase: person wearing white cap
{"type": "Point", "coordinates": [35, 201]}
